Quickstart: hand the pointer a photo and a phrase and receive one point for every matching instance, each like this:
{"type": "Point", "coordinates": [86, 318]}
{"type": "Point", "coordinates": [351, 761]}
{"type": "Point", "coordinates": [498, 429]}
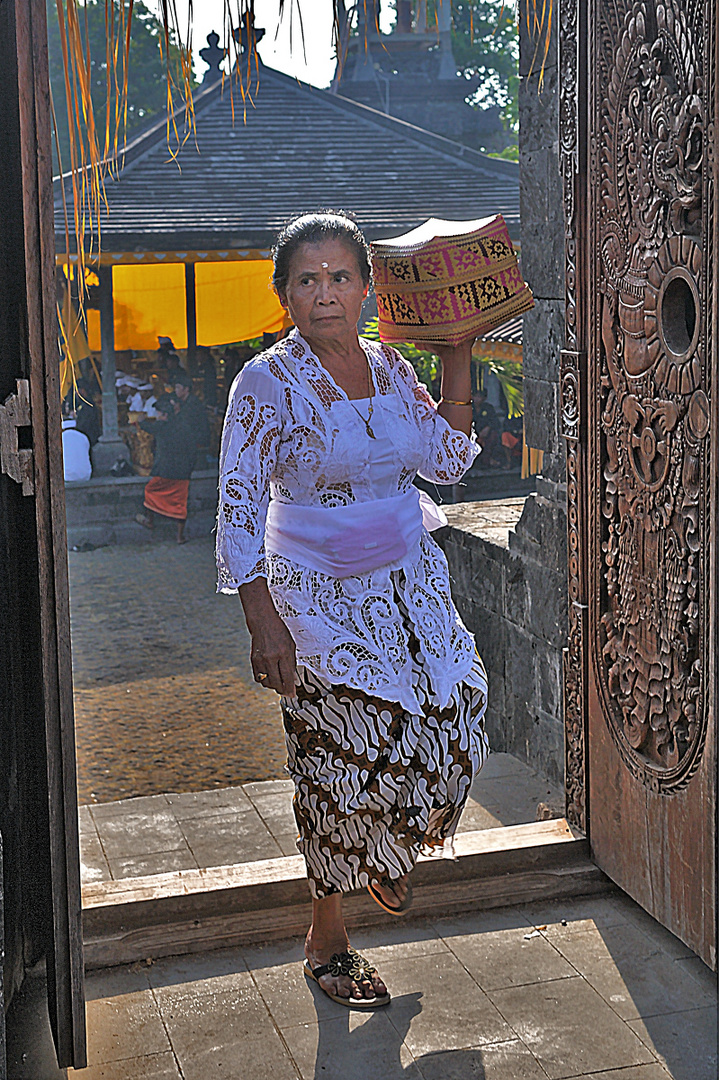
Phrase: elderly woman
{"type": "Point", "coordinates": [345, 594]}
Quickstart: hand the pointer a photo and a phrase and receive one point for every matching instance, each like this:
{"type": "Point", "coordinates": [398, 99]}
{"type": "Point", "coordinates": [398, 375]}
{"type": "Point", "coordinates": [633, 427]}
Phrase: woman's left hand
{"type": "Point", "coordinates": [456, 384]}
{"type": "Point", "coordinates": [455, 359]}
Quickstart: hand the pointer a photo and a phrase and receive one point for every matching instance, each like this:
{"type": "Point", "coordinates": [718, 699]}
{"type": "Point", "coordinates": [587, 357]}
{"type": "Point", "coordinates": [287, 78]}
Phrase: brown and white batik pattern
{"type": "Point", "coordinates": [376, 785]}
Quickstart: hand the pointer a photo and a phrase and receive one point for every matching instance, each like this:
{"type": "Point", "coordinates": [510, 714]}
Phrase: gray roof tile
{"type": "Point", "coordinates": [299, 149]}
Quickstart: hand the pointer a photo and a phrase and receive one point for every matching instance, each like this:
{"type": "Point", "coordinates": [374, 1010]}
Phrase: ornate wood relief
{"type": "Point", "coordinates": [650, 405]}
{"type": "Point", "coordinates": [573, 364]}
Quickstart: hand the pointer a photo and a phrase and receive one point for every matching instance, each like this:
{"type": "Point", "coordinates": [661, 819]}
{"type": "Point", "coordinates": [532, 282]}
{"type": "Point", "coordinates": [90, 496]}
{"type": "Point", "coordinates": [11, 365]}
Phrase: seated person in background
{"type": "Point", "coordinates": [486, 424]}
{"type": "Point", "coordinates": [75, 450]}
{"type": "Point", "coordinates": [512, 440]}
{"type": "Point", "coordinates": [144, 401]}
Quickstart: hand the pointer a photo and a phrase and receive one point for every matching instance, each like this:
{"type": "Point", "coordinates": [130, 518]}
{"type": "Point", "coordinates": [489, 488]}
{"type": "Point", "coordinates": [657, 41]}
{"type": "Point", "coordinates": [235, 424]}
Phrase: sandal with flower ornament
{"type": "Point", "coordinates": [357, 968]}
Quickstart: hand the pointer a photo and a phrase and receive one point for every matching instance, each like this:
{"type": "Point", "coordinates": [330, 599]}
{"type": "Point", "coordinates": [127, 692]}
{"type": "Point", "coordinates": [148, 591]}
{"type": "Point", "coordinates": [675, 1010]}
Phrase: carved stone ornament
{"type": "Point", "coordinates": [650, 536]}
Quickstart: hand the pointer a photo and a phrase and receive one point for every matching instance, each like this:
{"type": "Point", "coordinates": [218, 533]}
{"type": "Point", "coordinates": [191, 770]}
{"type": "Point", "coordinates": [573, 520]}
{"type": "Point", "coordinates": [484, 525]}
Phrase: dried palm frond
{"type": "Point", "coordinates": [539, 17]}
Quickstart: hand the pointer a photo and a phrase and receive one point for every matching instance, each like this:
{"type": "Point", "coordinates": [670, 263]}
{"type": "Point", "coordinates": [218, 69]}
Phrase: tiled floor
{"type": "Point", "coordinates": [160, 833]}
{"type": "Point", "coordinates": [591, 989]}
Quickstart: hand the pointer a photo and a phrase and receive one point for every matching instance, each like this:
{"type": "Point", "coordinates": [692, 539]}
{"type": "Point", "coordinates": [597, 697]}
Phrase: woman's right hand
{"type": "Point", "coordinates": [273, 651]}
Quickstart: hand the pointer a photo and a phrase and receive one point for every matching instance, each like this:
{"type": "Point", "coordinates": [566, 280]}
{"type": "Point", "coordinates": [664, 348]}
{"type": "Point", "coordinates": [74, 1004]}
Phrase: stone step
{"type": "Point", "coordinates": [102, 511]}
{"type": "Point", "coordinates": [253, 821]}
{"type": "Point", "coordinates": [192, 911]}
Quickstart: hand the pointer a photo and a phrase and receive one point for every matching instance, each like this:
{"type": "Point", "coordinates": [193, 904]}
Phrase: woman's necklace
{"type": "Point", "coordinates": [370, 394]}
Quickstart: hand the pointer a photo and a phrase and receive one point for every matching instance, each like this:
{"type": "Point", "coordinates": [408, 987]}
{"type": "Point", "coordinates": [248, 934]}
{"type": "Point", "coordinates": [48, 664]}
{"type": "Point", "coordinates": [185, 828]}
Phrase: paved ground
{"type": "Point", "coordinates": [162, 833]}
{"type": "Point", "coordinates": [164, 695]}
{"type": "Point", "coordinates": [591, 989]}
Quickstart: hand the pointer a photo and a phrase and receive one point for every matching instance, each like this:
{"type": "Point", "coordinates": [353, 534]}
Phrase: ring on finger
{"type": "Point", "coordinates": [261, 676]}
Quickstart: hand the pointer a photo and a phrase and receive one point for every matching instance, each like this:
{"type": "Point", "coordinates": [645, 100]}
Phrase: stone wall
{"type": "Point", "coordinates": [542, 232]}
{"type": "Point", "coordinates": [508, 561]}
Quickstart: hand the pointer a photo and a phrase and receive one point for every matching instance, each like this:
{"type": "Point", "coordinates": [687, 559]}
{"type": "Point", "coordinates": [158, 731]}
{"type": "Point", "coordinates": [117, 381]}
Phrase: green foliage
{"type": "Point", "coordinates": [426, 365]}
{"type": "Point", "coordinates": [428, 369]}
{"type": "Point", "coordinates": [485, 42]}
{"type": "Point", "coordinates": [510, 153]}
{"type": "Point", "coordinates": [509, 374]}
{"type": "Point", "coordinates": [147, 71]}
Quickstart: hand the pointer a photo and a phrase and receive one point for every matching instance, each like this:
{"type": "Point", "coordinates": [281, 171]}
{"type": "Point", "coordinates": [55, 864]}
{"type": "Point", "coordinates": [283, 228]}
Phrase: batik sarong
{"type": "Point", "coordinates": [375, 785]}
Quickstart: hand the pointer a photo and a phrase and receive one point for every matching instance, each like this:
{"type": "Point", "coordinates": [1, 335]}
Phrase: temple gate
{"type": "Point", "coordinates": [638, 385]}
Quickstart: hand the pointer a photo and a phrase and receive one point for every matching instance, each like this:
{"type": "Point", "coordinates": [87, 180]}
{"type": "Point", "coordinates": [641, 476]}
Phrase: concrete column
{"type": "Point", "coordinates": [191, 316]}
{"type": "Point", "coordinates": [447, 66]}
{"type": "Point", "coordinates": [404, 16]}
{"type": "Point", "coordinates": [367, 21]}
{"type": "Point", "coordinates": [109, 448]}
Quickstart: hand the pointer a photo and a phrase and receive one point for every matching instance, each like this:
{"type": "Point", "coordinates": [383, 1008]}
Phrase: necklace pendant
{"type": "Point", "coordinates": [370, 432]}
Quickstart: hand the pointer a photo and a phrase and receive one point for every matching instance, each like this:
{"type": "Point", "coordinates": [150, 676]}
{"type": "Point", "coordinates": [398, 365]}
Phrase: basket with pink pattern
{"type": "Point", "coordinates": [447, 281]}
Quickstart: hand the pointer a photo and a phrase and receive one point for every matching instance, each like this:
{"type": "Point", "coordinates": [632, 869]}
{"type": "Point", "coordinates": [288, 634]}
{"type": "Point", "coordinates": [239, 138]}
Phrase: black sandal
{"type": "Point", "coordinates": [354, 965]}
{"type": "Point", "coordinates": [387, 883]}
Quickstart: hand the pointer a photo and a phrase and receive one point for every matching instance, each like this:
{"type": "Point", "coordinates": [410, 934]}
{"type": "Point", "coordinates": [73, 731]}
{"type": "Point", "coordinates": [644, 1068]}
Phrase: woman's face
{"type": "Point", "coordinates": [325, 290]}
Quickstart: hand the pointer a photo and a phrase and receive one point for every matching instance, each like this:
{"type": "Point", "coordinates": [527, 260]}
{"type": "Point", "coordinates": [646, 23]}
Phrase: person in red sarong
{"type": "Point", "coordinates": [176, 441]}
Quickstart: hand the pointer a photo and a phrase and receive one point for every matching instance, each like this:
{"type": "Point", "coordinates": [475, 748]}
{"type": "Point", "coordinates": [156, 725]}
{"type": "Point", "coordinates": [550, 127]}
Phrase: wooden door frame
{"type": "Point", "coordinates": [42, 707]}
{"type": "Point", "coordinates": [573, 408]}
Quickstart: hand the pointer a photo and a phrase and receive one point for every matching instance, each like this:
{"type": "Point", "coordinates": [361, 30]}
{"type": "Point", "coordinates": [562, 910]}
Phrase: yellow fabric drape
{"type": "Point", "coordinates": [92, 316]}
{"type": "Point", "coordinates": [73, 343]}
{"type": "Point", "coordinates": [532, 460]}
{"type": "Point", "coordinates": [149, 302]}
{"type": "Point", "coordinates": [235, 301]}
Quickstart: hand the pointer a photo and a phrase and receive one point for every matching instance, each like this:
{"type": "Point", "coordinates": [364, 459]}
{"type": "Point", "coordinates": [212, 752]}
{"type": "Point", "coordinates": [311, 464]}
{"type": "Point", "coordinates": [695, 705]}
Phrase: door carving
{"type": "Point", "coordinates": [641, 275]}
{"type": "Point", "coordinates": [649, 638]}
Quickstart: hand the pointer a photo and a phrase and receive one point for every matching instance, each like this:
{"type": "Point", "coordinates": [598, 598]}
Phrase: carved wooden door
{"type": "Point", "coordinates": [639, 109]}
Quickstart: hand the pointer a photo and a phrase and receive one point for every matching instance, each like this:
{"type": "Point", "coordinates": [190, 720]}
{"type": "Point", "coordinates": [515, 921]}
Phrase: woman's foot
{"type": "Point", "coordinates": [145, 520]}
{"type": "Point", "coordinates": [319, 952]}
{"type": "Point", "coordinates": [394, 894]}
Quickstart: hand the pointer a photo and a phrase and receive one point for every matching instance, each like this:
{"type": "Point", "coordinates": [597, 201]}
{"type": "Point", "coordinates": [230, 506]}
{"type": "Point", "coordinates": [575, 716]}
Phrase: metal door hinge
{"type": "Point", "coordinates": [14, 414]}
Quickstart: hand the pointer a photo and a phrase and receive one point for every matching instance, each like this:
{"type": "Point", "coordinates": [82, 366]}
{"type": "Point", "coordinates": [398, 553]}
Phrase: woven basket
{"type": "Point", "coordinates": [447, 281]}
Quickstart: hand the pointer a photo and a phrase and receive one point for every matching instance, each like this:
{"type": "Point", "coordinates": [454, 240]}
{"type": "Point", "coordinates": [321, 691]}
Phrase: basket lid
{"type": "Point", "coordinates": [430, 230]}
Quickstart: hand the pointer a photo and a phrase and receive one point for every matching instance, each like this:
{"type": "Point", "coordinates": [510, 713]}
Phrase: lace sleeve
{"type": "Point", "coordinates": [448, 452]}
{"type": "Point", "coordinates": [250, 438]}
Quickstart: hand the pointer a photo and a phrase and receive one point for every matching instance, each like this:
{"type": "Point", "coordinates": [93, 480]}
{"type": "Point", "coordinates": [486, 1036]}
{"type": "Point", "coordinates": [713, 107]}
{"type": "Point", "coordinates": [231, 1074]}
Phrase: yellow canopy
{"type": "Point", "coordinates": [149, 302]}
{"type": "Point", "coordinates": [234, 301]}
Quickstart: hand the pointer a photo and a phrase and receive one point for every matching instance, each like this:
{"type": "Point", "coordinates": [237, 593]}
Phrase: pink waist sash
{"type": "Point", "coordinates": [345, 541]}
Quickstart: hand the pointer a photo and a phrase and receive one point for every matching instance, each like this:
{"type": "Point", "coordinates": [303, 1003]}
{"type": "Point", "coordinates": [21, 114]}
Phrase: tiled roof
{"type": "Point", "coordinates": [510, 332]}
{"type": "Point", "coordinates": [300, 149]}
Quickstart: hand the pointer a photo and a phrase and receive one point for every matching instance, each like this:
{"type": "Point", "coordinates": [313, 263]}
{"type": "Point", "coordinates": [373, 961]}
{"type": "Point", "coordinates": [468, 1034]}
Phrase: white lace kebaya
{"type": "Point", "coordinates": [292, 435]}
